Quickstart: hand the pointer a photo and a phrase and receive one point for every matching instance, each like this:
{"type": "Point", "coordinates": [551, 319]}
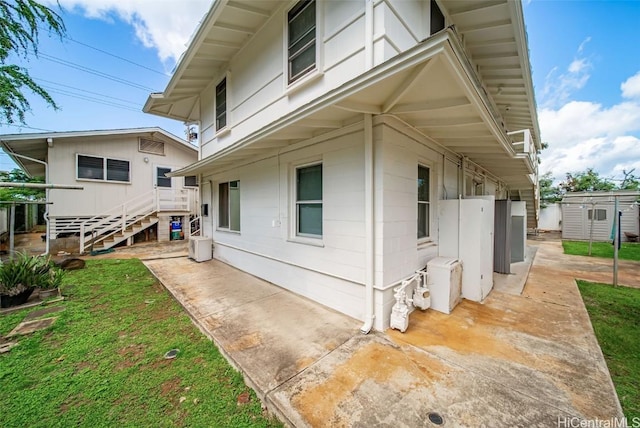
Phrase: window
{"type": "Point", "coordinates": [437, 18]}
{"type": "Point", "coordinates": [301, 39]}
{"type": "Point", "coordinates": [601, 214]}
{"type": "Point", "coordinates": [309, 201]}
{"type": "Point", "coordinates": [97, 168]}
{"type": "Point", "coordinates": [221, 104]}
{"type": "Point", "coordinates": [191, 181]}
{"type": "Point", "coordinates": [423, 201]}
{"type": "Point", "coordinates": [161, 179]}
{"type": "Point", "coordinates": [229, 205]}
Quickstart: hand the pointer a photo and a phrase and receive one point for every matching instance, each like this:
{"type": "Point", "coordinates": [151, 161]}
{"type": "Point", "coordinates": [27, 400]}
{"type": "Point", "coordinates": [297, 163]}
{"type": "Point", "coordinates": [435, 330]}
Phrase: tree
{"type": "Point", "coordinates": [19, 193]}
{"type": "Point", "coordinates": [586, 181]}
{"type": "Point", "coordinates": [19, 31]}
{"type": "Point", "coordinates": [548, 192]}
{"type": "Point", "coordinates": [630, 181]}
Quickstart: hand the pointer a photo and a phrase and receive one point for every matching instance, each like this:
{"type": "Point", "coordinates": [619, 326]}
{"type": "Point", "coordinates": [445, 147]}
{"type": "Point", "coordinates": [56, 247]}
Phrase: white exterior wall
{"type": "Point", "coordinates": [257, 90]}
{"type": "Point", "coordinates": [100, 196]}
{"type": "Point", "coordinates": [328, 270]}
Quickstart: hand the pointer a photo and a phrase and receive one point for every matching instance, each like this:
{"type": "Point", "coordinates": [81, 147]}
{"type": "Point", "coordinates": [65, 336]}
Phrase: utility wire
{"type": "Point", "coordinates": [90, 99]}
{"type": "Point", "coordinates": [94, 72]}
{"type": "Point", "coordinates": [86, 90]}
{"type": "Point", "coordinates": [25, 126]}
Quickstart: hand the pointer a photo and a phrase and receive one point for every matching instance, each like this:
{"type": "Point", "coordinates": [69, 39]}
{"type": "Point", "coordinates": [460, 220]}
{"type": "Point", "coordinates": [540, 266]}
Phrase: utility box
{"type": "Point", "coordinates": [200, 248]}
{"type": "Point", "coordinates": [444, 281]}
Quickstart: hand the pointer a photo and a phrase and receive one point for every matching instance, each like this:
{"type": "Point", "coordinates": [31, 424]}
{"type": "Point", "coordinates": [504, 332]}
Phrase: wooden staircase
{"type": "Point", "coordinates": [122, 235]}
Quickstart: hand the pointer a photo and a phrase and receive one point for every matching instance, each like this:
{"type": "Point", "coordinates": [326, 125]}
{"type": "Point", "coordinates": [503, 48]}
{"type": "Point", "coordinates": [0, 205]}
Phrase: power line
{"type": "Point", "coordinates": [90, 99]}
{"type": "Point", "coordinates": [93, 71]}
{"type": "Point", "coordinates": [25, 126]}
{"type": "Point", "coordinates": [86, 90]}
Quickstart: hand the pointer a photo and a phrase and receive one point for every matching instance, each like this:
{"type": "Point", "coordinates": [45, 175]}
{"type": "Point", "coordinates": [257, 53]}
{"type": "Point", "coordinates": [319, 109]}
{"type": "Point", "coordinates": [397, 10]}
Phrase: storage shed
{"type": "Point", "coordinates": [591, 214]}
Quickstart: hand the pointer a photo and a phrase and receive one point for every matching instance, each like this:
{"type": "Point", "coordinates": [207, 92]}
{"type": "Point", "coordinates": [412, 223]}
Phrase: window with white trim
{"type": "Point", "coordinates": [229, 205]}
{"type": "Point", "coordinates": [191, 181]}
{"type": "Point", "coordinates": [301, 39]}
{"type": "Point", "coordinates": [309, 201]}
{"type": "Point", "coordinates": [102, 169]}
{"type": "Point", "coordinates": [161, 179]}
{"type": "Point", "coordinates": [424, 201]}
{"type": "Point", "coordinates": [221, 104]}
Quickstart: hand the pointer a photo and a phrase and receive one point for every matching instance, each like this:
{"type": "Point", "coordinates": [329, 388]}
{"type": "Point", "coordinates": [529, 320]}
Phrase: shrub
{"type": "Point", "coordinates": [25, 271]}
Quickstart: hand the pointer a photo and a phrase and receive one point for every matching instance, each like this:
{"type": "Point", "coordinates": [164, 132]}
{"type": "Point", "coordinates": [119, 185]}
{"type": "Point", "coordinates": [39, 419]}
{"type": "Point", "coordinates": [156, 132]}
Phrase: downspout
{"type": "Point", "coordinates": [369, 270]}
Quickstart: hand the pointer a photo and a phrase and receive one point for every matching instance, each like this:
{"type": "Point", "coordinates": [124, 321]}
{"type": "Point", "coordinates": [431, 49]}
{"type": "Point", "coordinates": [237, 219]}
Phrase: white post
{"type": "Point", "coordinates": [124, 217]}
{"type": "Point", "coordinates": [82, 231]}
{"type": "Point", "coordinates": [12, 227]}
{"type": "Point", "coordinates": [616, 242]}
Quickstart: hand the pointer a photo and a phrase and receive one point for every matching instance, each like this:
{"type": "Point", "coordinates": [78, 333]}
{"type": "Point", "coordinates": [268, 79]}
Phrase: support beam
{"type": "Point", "coordinates": [405, 85]}
{"type": "Point", "coordinates": [247, 8]}
{"type": "Point", "coordinates": [359, 107]}
{"type": "Point", "coordinates": [431, 105]}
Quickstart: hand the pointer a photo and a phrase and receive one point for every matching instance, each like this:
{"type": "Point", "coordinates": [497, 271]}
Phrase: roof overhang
{"type": "Point", "coordinates": [24, 147]}
{"type": "Point", "coordinates": [455, 113]}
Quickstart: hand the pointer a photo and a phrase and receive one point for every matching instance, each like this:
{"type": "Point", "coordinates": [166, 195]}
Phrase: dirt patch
{"type": "Point", "coordinates": [131, 354]}
{"type": "Point", "coordinates": [40, 312]}
{"type": "Point", "coordinates": [170, 387]}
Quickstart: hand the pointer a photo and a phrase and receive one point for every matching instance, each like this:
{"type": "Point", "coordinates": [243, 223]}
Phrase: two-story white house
{"type": "Point", "coordinates": [331, 132]}
{"type": "Point", "coordinates": [124, 192]}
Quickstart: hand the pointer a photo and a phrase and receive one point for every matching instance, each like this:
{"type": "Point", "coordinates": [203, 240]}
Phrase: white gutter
{"type": "Point", "coordinates": [369, 270]}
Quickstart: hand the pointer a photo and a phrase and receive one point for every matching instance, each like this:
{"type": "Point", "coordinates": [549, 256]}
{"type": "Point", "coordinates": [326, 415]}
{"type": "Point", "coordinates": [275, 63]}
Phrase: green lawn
{"type": "Point", "coordinates": [629, 250]}
{"type": "Point", "coordinates": [101, 363]}
{"type": "Point", "coordinates": [615, 315]}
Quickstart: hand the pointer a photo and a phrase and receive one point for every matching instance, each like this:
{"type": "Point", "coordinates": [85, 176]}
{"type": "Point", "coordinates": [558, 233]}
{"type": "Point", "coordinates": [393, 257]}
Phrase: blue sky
{"type": "Point", "coordinates": [584, 56]}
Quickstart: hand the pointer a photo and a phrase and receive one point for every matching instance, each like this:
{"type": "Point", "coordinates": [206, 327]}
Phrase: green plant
{"type": "Point", "coordinates": [17, 275]}
{"type": "Point", "coordinates": [25, 271]}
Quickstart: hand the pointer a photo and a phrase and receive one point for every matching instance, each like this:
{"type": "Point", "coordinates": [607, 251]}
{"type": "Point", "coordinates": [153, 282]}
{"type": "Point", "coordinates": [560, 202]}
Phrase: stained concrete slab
{"type": "Point", "coordinates": [513, 360]}
{"type": "Point", "coordinates": [514, 282]}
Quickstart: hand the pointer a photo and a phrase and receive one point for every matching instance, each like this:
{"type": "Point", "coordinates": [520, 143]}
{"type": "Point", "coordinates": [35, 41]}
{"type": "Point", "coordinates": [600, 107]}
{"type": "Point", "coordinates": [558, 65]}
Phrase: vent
{"type": "Point", "coordinates": [151, 146]}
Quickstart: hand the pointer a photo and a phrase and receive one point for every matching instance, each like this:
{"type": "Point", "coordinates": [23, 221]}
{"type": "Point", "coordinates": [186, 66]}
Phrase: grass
{"type": "Point", "coordinates": [628, 250]}
{"type": "Point", "coordinates": [615, 316]}
{"type": "Point", "coordinates": [101, 363]}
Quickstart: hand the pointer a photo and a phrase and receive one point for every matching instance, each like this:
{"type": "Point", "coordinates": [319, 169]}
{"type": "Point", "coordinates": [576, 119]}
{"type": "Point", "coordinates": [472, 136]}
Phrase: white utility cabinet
{"type": "Point", "coordinates": [466, 233]}
{"type": "Point", "coordinates": [444, 281]}
{"type": "Point", "coordinates": [200, 248]}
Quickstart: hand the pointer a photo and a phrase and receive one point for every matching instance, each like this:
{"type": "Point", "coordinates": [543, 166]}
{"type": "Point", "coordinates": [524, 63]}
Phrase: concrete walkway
{"type": "Point", "coordinates": [527, 359]}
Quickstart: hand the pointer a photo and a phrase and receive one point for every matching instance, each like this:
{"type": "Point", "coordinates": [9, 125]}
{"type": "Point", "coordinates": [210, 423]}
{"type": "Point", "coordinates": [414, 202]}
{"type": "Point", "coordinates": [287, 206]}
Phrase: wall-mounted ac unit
{"type": "Point", "coordinates": [200, 248]}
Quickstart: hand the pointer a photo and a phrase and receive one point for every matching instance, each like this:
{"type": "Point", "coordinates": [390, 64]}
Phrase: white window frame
{"type": "Point", "coordinates": [218, 202]}
{"type": "Point", "coordinates": [596, 211]}
{"type": "Point", "coordinates": [104, 169]}
{"type": "Point", "coordinates": [294, 234]}
{"type": "Point", "coordinates": [188, 186]}
{"type": "Point", "coordinates": [429, 203]}
{"type": "Point", "coordinates": [155, 176]}
{"type": "Point", "coordinates": [290, 86]}
{"type": "Point", "coordinates": [226, 105]}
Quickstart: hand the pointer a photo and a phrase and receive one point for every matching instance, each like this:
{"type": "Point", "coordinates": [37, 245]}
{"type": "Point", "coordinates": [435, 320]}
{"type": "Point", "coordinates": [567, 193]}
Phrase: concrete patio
{"type": "Point", "coordinates": [515, 360]}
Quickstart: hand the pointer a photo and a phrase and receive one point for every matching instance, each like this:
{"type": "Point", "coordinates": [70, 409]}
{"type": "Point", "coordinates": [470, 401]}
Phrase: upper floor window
{"type": "Point", "coordinates": [221, 104]}
{"type": "Point", "coordinates": [301, 52]}
{"type": "Point", "coordinates": [102, 169]}
{"type": "Point", "coordinates": [309, 201]}
{"type": "Point", "coordinates": [424, 201]}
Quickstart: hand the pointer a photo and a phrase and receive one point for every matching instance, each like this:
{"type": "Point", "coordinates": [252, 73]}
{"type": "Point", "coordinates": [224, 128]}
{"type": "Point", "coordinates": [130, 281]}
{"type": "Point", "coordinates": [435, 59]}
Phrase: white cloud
{"type": "Point", "coordinates": [165, 25]}
{"type": "Point", "coordinates": [560, 86]}
{"type": "Point", "coordinates": [585, 135]}
{"type": "Point", "coordinates": [631, 87]}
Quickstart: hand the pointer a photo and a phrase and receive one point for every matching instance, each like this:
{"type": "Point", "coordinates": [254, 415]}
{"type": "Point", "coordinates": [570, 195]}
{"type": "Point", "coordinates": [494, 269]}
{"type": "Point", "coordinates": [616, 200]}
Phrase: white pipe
{"type": "Point", "coordinates": [41, 186]}
{"type": "Point", "coordinates": [369, 271]}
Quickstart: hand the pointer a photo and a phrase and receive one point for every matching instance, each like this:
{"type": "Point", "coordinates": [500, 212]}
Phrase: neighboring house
{"type": "Point", "coordinates": [125, 197]}
{"type": "Point", "coordinates": [590, 215]}
{"type": "Point", "coordinates": [331, 130]}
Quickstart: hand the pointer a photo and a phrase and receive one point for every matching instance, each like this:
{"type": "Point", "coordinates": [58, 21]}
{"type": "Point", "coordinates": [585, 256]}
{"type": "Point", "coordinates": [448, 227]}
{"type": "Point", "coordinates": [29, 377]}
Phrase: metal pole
{"type": "Point", "coordinates": [616, 239]}
{"type": "Point", "coordinates": [12, 226]}
{"type": "Point", "coordinates": [593, 214]}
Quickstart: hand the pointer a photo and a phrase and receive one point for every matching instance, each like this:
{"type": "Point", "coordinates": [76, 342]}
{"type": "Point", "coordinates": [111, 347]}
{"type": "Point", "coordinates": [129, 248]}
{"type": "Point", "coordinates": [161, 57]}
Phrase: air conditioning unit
{"type": "Point", "coordinates": [200, 248]}
{"type": "Point", "coordinates": [444, 282]}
